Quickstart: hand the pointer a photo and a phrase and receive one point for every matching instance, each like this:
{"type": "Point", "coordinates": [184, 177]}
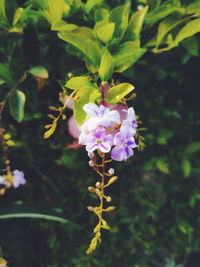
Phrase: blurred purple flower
{"type": "Point", "coordinates": [18, 178]}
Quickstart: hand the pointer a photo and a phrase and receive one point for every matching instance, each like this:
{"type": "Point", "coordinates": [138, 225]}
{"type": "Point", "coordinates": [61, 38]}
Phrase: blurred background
{"type": "Point", "coordinates": [157, 219]}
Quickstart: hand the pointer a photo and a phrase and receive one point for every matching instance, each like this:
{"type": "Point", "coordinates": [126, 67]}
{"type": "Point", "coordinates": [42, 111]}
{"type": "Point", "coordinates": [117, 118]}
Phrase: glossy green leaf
{"type": "Point", "coordinates": [136, 23]}
{"type": "Point", "coordinates": [79, 113]}
{"type": "Point", "coordinates": [101, 14]}
{"type": "Point", "coordinates": [162, 166]}
{"type": "Point", "coordinates": [186, 167]}
{"type": "Point", "coordinates": [119, 16]}
{"type": "Point", "coordinates": [167, 25]}
{"type": "Point", "coordinates": [106, 67]}
{"type": "Point", "coordinates": [116, 93]}
{"type": "Point", "coordinates": [3, 17]}
{"type": "Point", "coordinates": [61, 25]}
{"type": "Point", "coordinates": [161, 12]}
{"type": "Point", "coordinates": [90, 4]}
{"type": "Point", "coordinates": [188, 30]}
{"type": "Point", "coordinates": [129, 53]}
{"type": "Point", "coordinates": [16, 103]}
{"type": "Point", "coordinates": [5, 73]}
{"type": "Point", "coordinates": [78, 82]}
{"type": "Point", "coordinates": [89, 48]}
{"type": "Point", "coordinates": [191, 45]}
{"type": "Point", "coordinates": [18, 13]}
{"type": "Point", "coordinates": [105, 32]}
{"type": "Point", "coordinates": [39, 71]}
{"type": "Point", "coordinates": [56, 9]}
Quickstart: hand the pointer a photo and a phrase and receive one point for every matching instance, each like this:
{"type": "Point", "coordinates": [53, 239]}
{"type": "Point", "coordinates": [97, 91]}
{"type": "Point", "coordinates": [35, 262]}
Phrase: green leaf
{"type": "Point", "coordinates": [129, 53]}
{"type": "Point", "coordinates": [3, 17]}
{"type": "Point", "coordinates": [105, 32]}
{"type": "Point", "coordinates": [5, 73]}
{"type": "Point", "coordinates": [16, 103]}
{"type": "Point", "coordinates": [136, 23]}
{"type": "Point", "coordinates": [119, 16]}
{"type": "Point", "coordinates": [188, 30]}
{"type": "Point", "coordinates": [79, 113]}
{"type": "Point", "coordinates": [22, 211]}
{"type": "Point", "coordinates": [18, 13]}
{"type": "Point", "coordinates": [61, 25]}
{"type": "Point", "coordinates": [89, 48]}
{"type": "Point", "coordinates": [192, 148]}
{"type": "Point", "coordinates": [161, 12]}
{"type": "Point", "coordinates": [186, 167]}
{"type": "Point", "coordinates": [106, 67]}
{"type": "Point", "coordinates": [162, 166]}
{"type": "Point", "coordinates": [116, 93]}
{"type": "Point", "coordinates": [90, 4]}
{"type": "Point", "coordinates": [78, 82]}
{"type": "Point", "coordinates": [39, 71]}
{"type": "Point", "coordinates": [164, 135]}
{"type": "Point", "coordinates": [101, 14]}
{"type": "Point", "coordinates": [191, 45]}
{"type": "Point", "coordinates": [167, 25]}
{"type": "Point", "coordinates": [56, 9]}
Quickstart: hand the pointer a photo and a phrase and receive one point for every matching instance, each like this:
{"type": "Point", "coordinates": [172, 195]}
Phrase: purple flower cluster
{"type": "Point", "coordinates": [15, 179]}
{"type": "Point", "coordinates": [108, 131]}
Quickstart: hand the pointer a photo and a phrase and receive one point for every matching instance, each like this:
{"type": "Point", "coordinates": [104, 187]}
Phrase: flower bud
{"type": "Point", "coordinates": [111, 171]}
{"type": "Point", "coordinates": [10, 143]}
{"type": "Point", "coordinates": [108, 199]}
{"type": "Point", "coordinates": [91, 163]}
{"type": "Point", "coordinates": [7, 136]}
{"type": "Point", "coordinates": [98, 184]}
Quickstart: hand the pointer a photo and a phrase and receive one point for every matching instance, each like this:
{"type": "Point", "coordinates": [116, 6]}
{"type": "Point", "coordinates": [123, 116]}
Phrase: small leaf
{"type": "Point", "coordinates": [188, 30]}
{"type": "Point", "coordinates": [192, 148]}
{"type": "Point", "coordinates": [3, 17]}
{"type": "Point", "coordinates": [78, 82]}
{"type": "Point", "coordinates": [129, 53]}
{"type": "Point", "coordinates": [162, 12]}
{"type": "Point", "coordinates": [106, 67]}
{"type": "Point", "coordinates": [101, 14]}
{"type": "Point", "coordinates": [119, 16]}
{"type": "Point", "coordinates": [5, 73]}
{"type": "Point", "coordinates": [16, 105]}
{"type": "Point", "coordinates": [90, 4]}
{"type": "Point", "coordinates": [105, 32]}
{"type": "Point", "coordinates": [167, 25]}
{"type": "Point", "coordinates": [89, 48]}
{"type": "Point", "coordinates": [136, 23]}
{"type": "Point", "coordinates": [79, 113]}
{"type": "Point", "coordinates": [191, 45]}
{"type": "Point", "coordinates": [61, 25]}
{"type": "Point", "coordinates": [162, 166]}
{"type": "Point", "coordinates": [18, 13]}
{"type": "Point", "coordinates": [39, 71]}
{"type": "Point", "coordinates": [186, 167]}
{"type": "Point", "coordinates": [116, 93]}
{"type": "Point", "coordinates": [56, 9]}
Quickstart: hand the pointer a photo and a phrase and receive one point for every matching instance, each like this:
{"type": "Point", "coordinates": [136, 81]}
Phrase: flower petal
{"type": "Point", "coordinates": [91, 109]}
{"type": "Point", "coordinates": [117, 153]}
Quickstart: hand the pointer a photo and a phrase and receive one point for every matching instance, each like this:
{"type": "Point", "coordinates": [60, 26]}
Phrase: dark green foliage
{"type": "Point", "coordinates": [156, 223]}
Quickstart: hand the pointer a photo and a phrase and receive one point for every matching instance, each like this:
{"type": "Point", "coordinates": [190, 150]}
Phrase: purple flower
{"type": "Point", "coordinates": [124, 143]}
{"type": "Point", "coordinates": [130, 120]}
{"type": "Point", "coordinates": [99, 140]}
{"type": "Point", "coordinates": [101, 116]}
{"type": "Point", "coordinates": [18, 178]}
